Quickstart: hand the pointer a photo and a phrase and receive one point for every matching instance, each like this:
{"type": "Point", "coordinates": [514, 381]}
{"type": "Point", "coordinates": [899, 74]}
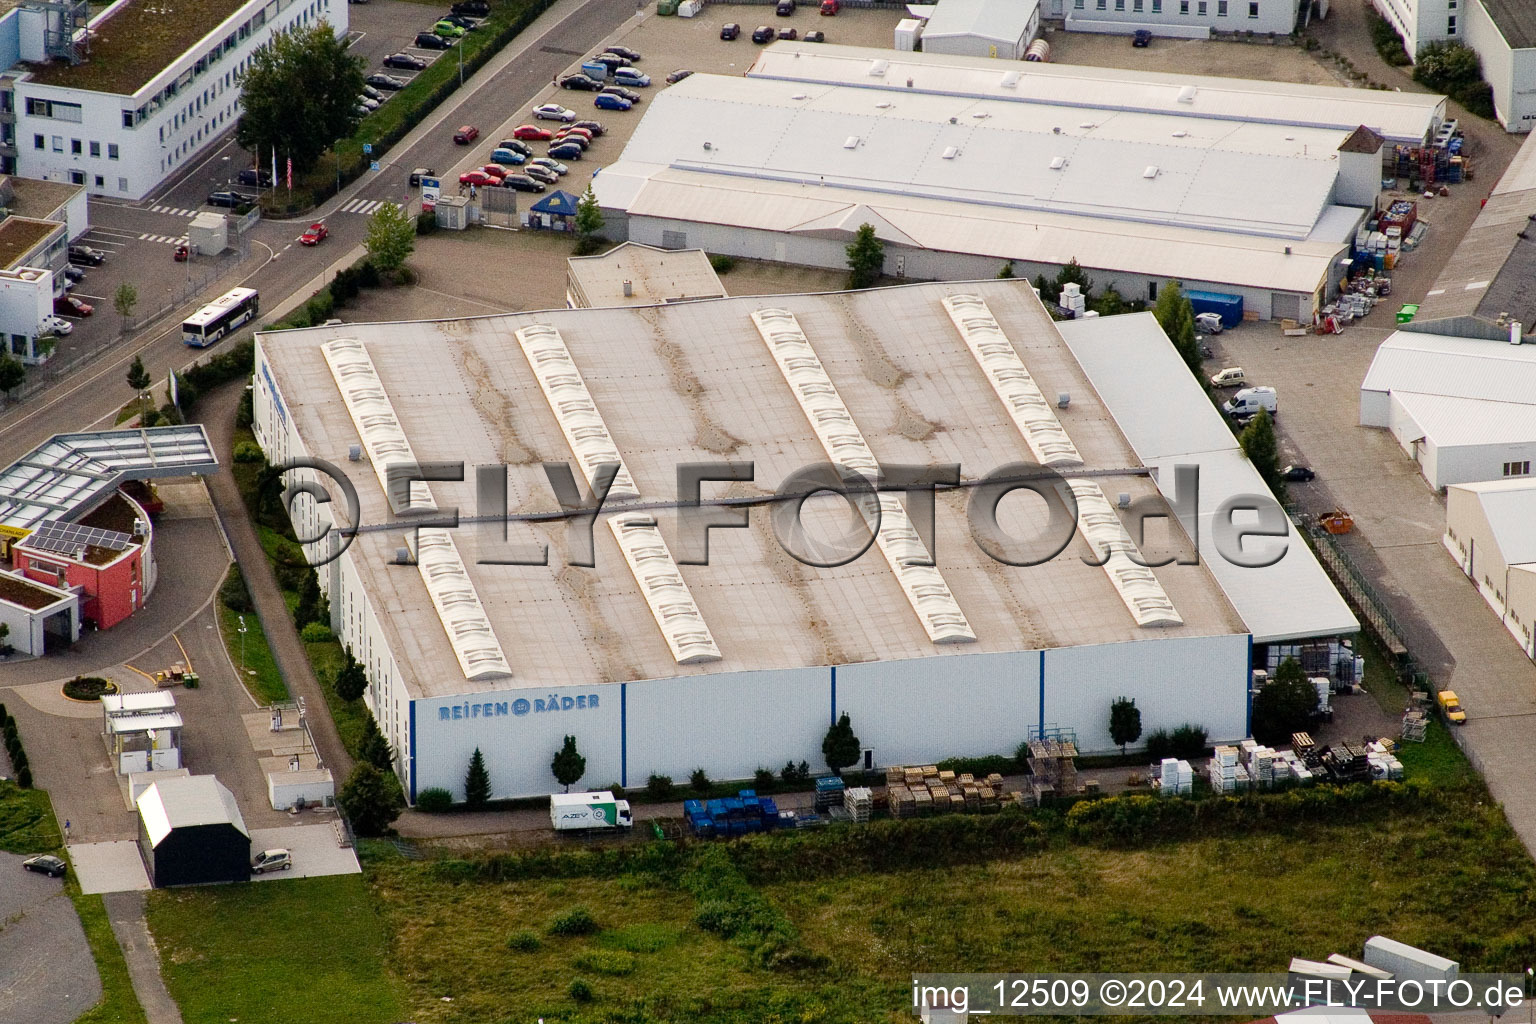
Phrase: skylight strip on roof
{"type": "Point", "coordinates": [572, 404]}
{"type": "Point", "coordinates": [924, 585]}
{"type": "Point", "coordinates": [656, 573]}
{"type": "Point", "coordinates": [438, 560]}
{"type": "Point", "coordinates": [999, 361]}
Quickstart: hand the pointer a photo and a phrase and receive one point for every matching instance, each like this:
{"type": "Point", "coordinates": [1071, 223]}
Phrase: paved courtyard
{"type": "Point", "coordinates": [114, 866]}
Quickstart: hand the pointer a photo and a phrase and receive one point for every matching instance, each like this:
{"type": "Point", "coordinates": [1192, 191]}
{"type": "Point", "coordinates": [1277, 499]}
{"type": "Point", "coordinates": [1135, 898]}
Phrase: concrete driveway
{"type": "Point", "coordinates": [109, 867]}
{"type": "Point", "coordinates": [314, 851]}
{"type": "Point", "coordinates": [47, 975]}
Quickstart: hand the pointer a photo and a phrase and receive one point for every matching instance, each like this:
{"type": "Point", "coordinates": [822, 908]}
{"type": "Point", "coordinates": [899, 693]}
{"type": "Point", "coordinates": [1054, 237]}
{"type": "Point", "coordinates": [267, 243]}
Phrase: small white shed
{"type": "Point", "coordinates": [208, 234]}
{"type": "Point", "coordinates": [982, 28]}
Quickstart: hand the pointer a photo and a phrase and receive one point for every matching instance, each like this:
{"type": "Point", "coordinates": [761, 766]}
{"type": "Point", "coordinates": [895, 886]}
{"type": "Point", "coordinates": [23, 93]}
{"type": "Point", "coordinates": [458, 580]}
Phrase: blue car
{"type": "Point", "coordinates": [608, 101]}
{"type": "Point", "coordinates": [511, 157]}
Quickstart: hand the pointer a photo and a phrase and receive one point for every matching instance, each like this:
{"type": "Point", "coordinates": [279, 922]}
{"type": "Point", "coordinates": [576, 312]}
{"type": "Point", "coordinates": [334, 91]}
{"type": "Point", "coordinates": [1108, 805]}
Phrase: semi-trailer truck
{"type": "Point", "coordinates": [570, 812]}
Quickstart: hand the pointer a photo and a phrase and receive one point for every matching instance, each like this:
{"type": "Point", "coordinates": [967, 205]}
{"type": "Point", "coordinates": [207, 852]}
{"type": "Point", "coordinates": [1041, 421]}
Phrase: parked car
{"type": "Point", "coordinates": [553, 112]}
{"type": "Point", "coordinates": [629, 76]}
{"type": "Point", "coordinates": [814, 37]}
{"type": "Point", "coordinates": [1208, 323]}
{"type": "Point", "coordinates": [595, 127]}
{"type": "Point", "coordinates": [522, 183]}
{"type": "Point", "coordinates": [580, 82]}
{"type": "Point", "coordinates": [565, 151]}
{"type": "Point", "coordinates": [55, 325]}
{"type": "Point", "coordinates": [830, 7]}
{"type": "Point", "coordinates": [473, 8]}
{"type": "Point", "coordinates": [315, 234]}
{"type": "Point", "coordinates": [574, 140]}
{"type": "Point", "coordinates": [68, 305]}
{"type": "Point", "coordinates": [372, 93]}
{"type": "Point", "coordinates": [511, 157]}
{"type": "Point", "coordinates": [619, 90]}
{"type": "Point", "coordinates": [46, 863]}
{"type": "Point", "coordinates": [1230, 377]}
{"type": "Point", "coordinates": [532, 133]}
{"type": "Point", "coordinates": [466, 134]}
{"type": "Point", "coordinates": [541, 174]}
{"type": "Point", "coordinates": [478, 177]}
{"type": "Point", "coordinates": [678, 76]}
{"type": "Point", "coordinates": [763, 34]}
{"type": "Point", "coordinates": [785, 9]}
{"type": "Point", "coordinates": [467, 24]}
{"type": "Point", "coordinates": [570, 130]}
{"type": "Point", "coordinates": [86, 255]}
{"type": "Point", "coordinates": [611, 61]}
{"type": "Point", "coordinates": [419, 173]}
{"type": "Point", "coordinates": [447, 29]}
{"type": "Point", "coordinates": [383, 81]}
{"type": "Point", "coordinates": [405, 62]}
{"type": "Point", "coordinates": [271, 860]}
{"type": "Point", "coordinates": [74, 275]}
{"type": "Point", "coordinates": [497, 171]}
{"type": "Point", "coordinates": [432, 41]}
{"type": "Point", "coordinates": [729, 31]}
{"type": "Point", "coordinates": [226, 198]}
{"type": "Point", "coordinates": [368, 104]}
{"type": "Point", "coordinates": [1141, 38]}
{"type": "Point", "coordinates": [789, 33]}
{"type": "Point", "coordinates": [550, 165]}
{"type": "Point", "coordinates": [181, 253]}
{"type": "Point", "coordinates": [625, 52]}
{"type": "Point", "coordinates": [1298, 474]}
{"type": "Point", "coordinates": [254, 178]}
{"type": "Point", "coordinates": [608, 101]}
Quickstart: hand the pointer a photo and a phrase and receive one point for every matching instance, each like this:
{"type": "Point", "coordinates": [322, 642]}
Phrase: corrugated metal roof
{"type": "Point", "coordinates": [1451, 422]}
{"type": "Point", "coordinates": [1509, 506]}
{"type": "Point", "coordinates": [1434, 364]}
{"type": "Point", "coordinates": [1169, 421]}
{"type": "Point", "coordinates": [1398, 116]}
{"type": "Point", "coordinates": [186, 802]}
{"type": "Point", "coordinates": [1005, 21]}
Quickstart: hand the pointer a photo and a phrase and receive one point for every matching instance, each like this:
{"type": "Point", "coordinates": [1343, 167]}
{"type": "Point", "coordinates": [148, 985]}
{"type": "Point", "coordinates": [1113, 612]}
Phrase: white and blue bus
{"type": "Point", "coordinates": [221, 316]}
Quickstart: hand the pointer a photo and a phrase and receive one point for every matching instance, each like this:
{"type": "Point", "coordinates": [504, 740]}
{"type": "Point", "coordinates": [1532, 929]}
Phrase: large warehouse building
{"type": "Point", "coordinates": [657, 663]}
{"type": "Point", "coordinates": [963, 164]}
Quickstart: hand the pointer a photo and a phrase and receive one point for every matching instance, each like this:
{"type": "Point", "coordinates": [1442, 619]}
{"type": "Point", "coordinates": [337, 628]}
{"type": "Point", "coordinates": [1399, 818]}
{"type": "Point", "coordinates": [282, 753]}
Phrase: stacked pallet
{"type": "Point", "coordinates": [1224, 772]}
{"type": "Point", "coordinates": [1052, 766]}
{"type": "Point", "coordinates": [915, 792]}
{"type": "Point", "coordinates": [829, 793]}
{"type": "Point", "coordinates": [1381, 757]}
{"type": "Point", "coordinates": [1173, 777]}
{"type": "Point", "coordinates": [859, 802]}
{"type": "Point", "coordinates": [1415, 722]}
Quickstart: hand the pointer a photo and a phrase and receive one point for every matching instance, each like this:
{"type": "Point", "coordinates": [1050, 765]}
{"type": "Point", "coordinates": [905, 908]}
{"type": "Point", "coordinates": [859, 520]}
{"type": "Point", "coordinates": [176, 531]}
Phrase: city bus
{"type": "Point", "coordinates": [219, 317]}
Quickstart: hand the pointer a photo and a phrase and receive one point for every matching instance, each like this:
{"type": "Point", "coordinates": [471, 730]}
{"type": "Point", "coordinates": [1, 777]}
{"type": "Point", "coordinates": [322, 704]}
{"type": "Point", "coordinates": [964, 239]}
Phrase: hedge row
{"type": "Point", "coordinates": [234, 363]}
{"type": "Point", "coordinates": [14, 749]}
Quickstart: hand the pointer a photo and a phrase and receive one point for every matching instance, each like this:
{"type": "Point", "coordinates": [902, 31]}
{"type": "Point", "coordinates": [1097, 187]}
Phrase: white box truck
{"type": "Point", "coordinates": [1249, 401]}
{"type": "Point", "coordinates": [570, 812]}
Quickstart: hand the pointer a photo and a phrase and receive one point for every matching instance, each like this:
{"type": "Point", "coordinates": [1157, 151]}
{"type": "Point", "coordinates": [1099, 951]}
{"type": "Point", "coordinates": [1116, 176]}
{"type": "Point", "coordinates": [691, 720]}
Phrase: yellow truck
{"type": "Point", "coordinates": [1451, 707]}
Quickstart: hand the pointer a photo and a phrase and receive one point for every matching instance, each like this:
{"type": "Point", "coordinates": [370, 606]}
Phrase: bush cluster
{"type": "Point", "coordinates": [575, 921]}
{"type": "Point", "coordinates": [730, 907]}
{"type": "Point", "coordinates": [1456, 70]}
{"type": "Point", "coordinates": [1389, 45]}
{"type": "Point", "coordinates": [1186, 742]}
{"type": "Point", "coordinates": [15, 750]}
{"type": "Point", "coordinates": [524, 941]}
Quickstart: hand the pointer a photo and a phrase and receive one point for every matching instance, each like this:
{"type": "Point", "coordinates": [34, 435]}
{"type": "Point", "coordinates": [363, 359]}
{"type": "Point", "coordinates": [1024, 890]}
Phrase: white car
{"type": "Point", "coordinates": [553, 165]}
{"type": "Point", "coordinates": [553, 112]}
{"type": "Point", "coordinates": [55, 325]}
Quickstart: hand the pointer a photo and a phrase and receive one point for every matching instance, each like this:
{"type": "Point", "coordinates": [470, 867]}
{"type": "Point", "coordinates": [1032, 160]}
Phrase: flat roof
{"type": "Point", "coordinates": [1003, 20]}
{"type": "Point", "coordinates": [1404, 117]}
{"type": "Point", "coordinates": [1169, 421]}
{"type": "Point", "coordinates": [29, 594]}
{"type": "Point", "coordinates": [145, 722]}
{"type": "Point", "coordinates": [654, 275]}
{"type": "Point", "coordinates": [132, 703]}
{"type": "Point", "coordinates": [692, 382]}
{"type": "Point", "coordinates": [1515, 20]}
{"type": "Point", "coordinates": [135, 42]}
{"type": "Point", "coordinates": [1509, 506]}
{"type": "Point", "coordinates": [20, 235]}
{"type": "Point", "coordinates": [33, 197]}
{"type": "Point", "coordinates": [1488, 372]}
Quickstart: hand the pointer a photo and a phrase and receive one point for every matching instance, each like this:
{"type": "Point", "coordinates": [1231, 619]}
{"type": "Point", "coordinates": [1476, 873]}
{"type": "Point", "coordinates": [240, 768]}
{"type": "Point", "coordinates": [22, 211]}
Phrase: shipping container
{"type": "Point", "coordinates": [1230, 307]}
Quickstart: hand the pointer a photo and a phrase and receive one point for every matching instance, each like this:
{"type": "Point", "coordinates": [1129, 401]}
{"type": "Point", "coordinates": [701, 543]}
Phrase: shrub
{"type": "Point", "coordinates": [426, 222]}
{"type": "Point", "coordinates": [1477, 97]}
{"type": "Point", "coordinates": [616, 789]}
{"type": "Point", "coordinates": [316, 633]}
{"type": "Point", "coordinates": [698, 781]}
{"type": "Point", "coordinates": [1159, 745]}
{"type": "Point", "coordinates": [586, 245]}
{"type": "Point", "coordinates": [24, 777]}
{"type": "Point", "coordinates": [405, 276]}
{"type": "Point", "coordinates": [1188, 741]}
{"type": "Point", "coordinates": [524, 941]}
{"type": "Point", "coordinates": [320, 307]}
{"type": "Point", "coordinates": [795, 774]}
{"type": "Point", "coordinates": [1388, 44]}
{"type": "Point", "coordinates": [5, 716]}
{"type": "Point", "coordinates": [763, 780]}
{"type": "Point", "coordinates": [607, 961]}
{"type": "Point", "coordinates": [576, 921]}
{"type": "Point", "coordinates": [234, 594]}
{"type": "Point", "coordinates": [722, 263]}
{"type": "Point", "coordinates": [731, 908]}
{"type": "Point", "coordinates": [434, 800]}
{"type": "Point", "coordinates": [248, 452]}
{"type": "Point", "coordinates": [659, 787]}
{"type": "Point", "coordinates": [580, 991]}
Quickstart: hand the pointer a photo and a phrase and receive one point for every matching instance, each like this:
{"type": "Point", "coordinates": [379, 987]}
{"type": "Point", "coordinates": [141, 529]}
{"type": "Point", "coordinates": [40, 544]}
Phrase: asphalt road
{"type": "Point", "coordinates": [47, 975]}
{"type": "Point", "coordinates": [277, 266]}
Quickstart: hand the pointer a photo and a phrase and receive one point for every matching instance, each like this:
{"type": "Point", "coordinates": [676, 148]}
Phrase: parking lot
{"type": "Point", "coordinates": [47, 975]}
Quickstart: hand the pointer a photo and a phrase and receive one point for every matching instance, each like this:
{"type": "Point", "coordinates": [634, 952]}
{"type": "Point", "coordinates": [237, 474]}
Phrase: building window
{"type": "Point", "coordinates": [1151, 291]}
{"type": "Point", "coordinates": [1221, 8]}
{"type": "Point", "coordinates": [1119, 5]}
{"type": "Point", "coordinates": [57, 111]}
{"type": "Point", "coordinates": [1450, 25]}
{"type": "Point", "coordinates": [127, 119]}
{"type": "Point", "coordinates": [1200, 10]}
{"type": "Point", "coordinates": [77, 177]}
{"type": "Point", "coordinates": [58, 143]}
{"type": "Point", "coordinates": [111, 151]}
{"type": "Point", "coordinates": [1157, 6]}
{"type": "Point", "coordinates": [76, 147]}
{"type": "Point", "coordinates": [1077, 5]}
{"type": "Point", "coordinates": [38, 142]}
{"type": "Point", "coordinates": [95, 148]}
{"type": "Point", "coordinates": [1253, 9]}
{"type": "Point", "coordinates": [101, 182]}
{"type": "Point", "coordinates": [1136, 6]}
{"type": "Point", "coordinates": [122, 184]}
{"type": "Point", "coordinates": [1517, 468]}
{"type": "Point", "coordinates": [1183, 6]}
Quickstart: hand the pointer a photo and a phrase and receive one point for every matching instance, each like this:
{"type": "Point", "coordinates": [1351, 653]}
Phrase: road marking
{"type": "Point", "coordinates": [175, 211]}
{"type": "Point", "coordinates": [93, 298]}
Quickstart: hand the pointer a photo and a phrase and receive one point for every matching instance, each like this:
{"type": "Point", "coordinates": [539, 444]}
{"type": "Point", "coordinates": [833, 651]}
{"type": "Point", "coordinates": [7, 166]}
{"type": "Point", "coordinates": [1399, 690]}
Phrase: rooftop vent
{"type": "Point", "coordinates": [798, 96]}
{"type": "Point", "coordinates": [708, 146]}
{"type": "Point", "coordinates": [1063, 399]}
{"type": "Point", "coordinates": [354, 453]}
{"type": "Point", "coordinates": [1180, 133]}
{"type": "Point", "coordinates": [1058, 162]}
{"type": "Point", "coordinates": [851, 142]}
{"type": "Point", "coordinates": [1055, 131]}
{"type": "Point", "coordinates": [954, 120]}
{"type": "Point", "coordinates": [878, 68]}
{"type": "Point", "coordinates": [1150, 172]}
{"type": "Point", "coordinates": [1187, 94]}
{"type": "Point", "coordinates": [1010, 80]}
{"type": "Point", "coordinates": [1087, 125]}
{"type": "Point", "coordinates": [1124, 499]}
{"type": "Point", "coordinates": [980, 115]}
{"type": "Point", "coordinates": [909, 83]}
{"type": "Point", "coordinates": [950, 152]}
{"type": "Point", "coordinates": [882, 106]}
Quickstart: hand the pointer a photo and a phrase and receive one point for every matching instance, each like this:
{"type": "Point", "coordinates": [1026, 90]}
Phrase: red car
{"type": "Point", "coordinates": [496, 171]}
{"type": "Point", "coordinates": [531, 133]}
{"type": "Point", "coordinates": [478, 178]}
{"type": "Point", "coordinates": [466, 134]}
{"type": "Point", "coordinates": [181, 254]}
{"type": "Point", "coordinates": [68, 305]}
{"type": "Point", "coordinates": [580, 133]}
{"type": "Point", "coordinates": [315, 235]}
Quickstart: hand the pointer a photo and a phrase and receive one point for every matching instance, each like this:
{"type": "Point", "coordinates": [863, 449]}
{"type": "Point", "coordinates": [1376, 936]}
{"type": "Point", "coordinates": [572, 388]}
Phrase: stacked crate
{"type": "Point", "coordinates": [914, 792]}
{"type": "Point", "coordinates": [829, 793]}
{"type": "Point", "coordinates": [1415, 722]}
{"type": "Point", "coordinates": [859, 802]}
{"type": "Point", "coordinates": [1052, 767]}
{"type": "Point", "coordinates": [1222, 770]}
{"type": "Point", "coordinates": [1173, 777]}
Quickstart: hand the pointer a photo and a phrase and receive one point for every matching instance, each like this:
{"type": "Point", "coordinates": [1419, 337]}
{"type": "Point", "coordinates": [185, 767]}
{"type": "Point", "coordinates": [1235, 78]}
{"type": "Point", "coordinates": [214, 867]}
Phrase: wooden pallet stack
{"type": "Point", "coordinates": [1053, 772]}
{"type": "Point", "coordinates": [924, 790]}
{"type": "Point", "coordinates": [859, 802]}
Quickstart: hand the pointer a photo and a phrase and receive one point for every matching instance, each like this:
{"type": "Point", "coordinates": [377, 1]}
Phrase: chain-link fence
{"type": "Point", "coordinates": [1367, 603]}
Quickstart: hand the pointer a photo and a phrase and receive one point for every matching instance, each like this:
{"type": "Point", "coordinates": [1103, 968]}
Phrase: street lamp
{"type": "Point", "coordinates": [242, 631]}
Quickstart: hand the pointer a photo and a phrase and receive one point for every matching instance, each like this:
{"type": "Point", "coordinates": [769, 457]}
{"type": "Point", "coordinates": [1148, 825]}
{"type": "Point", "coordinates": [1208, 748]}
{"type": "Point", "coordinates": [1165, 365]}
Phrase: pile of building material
{"type": "Point", "coordinates": [829, 793]}
{"type": "Point", "coordinates": [1052, 768]}
{"type": "Point", "coordinates": [1225, 772]}
{"type": "Point", "coordinates": [921, 791]}
{"type": "Point", "coordinates": [1382, 760]}
{"type": "Point", "coordinates": [1173, 777]}
{"type": "Point", "coordinates": [1415, 722]}
{"type": "Point", "coordinates": [1324, 687]}
{"type": "Point", "coordinates": [1073, 302]}
{"type": "Point", "coordinates": [858, 801]}
{"type": "Point", "coordinates": [1268, 767]}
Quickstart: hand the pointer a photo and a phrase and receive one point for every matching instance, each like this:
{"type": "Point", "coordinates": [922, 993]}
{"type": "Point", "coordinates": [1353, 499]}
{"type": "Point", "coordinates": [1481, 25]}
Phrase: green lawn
{"type": "Point", "coordinates": [26, 821]}
{"type": "Point", "coordinates": [309, 949]}
{"type": "Point", "coordinates": [266, 685]}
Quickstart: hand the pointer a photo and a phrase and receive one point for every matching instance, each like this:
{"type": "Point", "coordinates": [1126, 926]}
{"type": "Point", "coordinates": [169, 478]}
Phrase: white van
{"type": "Point", "coordinates": [1231, 377]}
{"type": "Point", "coordinates": [1208, 323]}
{"type": "Point", "coordinates": [1249, 401]}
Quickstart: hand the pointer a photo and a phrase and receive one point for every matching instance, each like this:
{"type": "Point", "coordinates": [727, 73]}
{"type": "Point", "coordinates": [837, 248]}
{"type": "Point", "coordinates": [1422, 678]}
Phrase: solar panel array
{"type": "Point", "coordinates": [67, 538]}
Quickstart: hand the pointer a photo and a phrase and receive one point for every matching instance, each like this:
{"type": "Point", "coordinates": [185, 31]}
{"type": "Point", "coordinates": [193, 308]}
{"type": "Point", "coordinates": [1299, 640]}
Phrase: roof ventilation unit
{"type": "Point", "coordinates": [851, 142]}
{"type": "Point", "coordinates": [980, 115]}
{"type": "Point", "coordinates": [877, 68]}
{"type": "Point", "coordinates": [1010, 80]}
{"type": "Point", "coordinates": [708, 147]}
{"type": "Point", "coordinates": [1055, 131]}
{"type": "Point", "coordinates": [954, 120]}
{"type": "Point", "coordinates": [882, 106]}
{"type": "Point", "coordinates": [1150, 172]}
{"type": "Point", "coordinates": [1087, 125]}
{"type": "Point", "coordinates": [1124, 499]}
{"type": "Point", "coordinates": [1187, 94]}
{"type": "Point", "coordinates": [1063, 399]}
{"type": "Point", "coordinates": [950, 152]}
{"type": "Point", "coordinates": [1180, 133]}
{"type": "Point", "coordinates": [798, 96]}
{"type": "Point", "coordinates": [354, 453]}
{"type": "Point", "coordinates": [909, 83]}
{"type": "Point", "coordinates": [1058, 162]}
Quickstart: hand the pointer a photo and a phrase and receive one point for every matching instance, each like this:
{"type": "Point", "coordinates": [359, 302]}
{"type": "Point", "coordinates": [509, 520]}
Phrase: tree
{"type": "Point", "coordinates": [1285, 705]}
{"type": "Point", "coordinates": [841, 746]}
{"type": "Point", "coordinates": [138, 377]}
{"type": "Point", "coordinates": [1049, 293]}
{"type": "Point", "coordinates": [477, 783]}
{"type": "Point", "coordinates": [371, 799]}
{"type": "Point", "coordinates": [1258, 441]}
{"type": "Point", "coordinates": [123, 300]}
{"type": "Point", "coordinates": [300, 94]}
{"type": "Point", "coordinates": [1109, 303]}
{"type": "Point", "coordinates": [1124, 722]}
{"type": "Point", "coordinates": [12, 373]}
{"type": "Point", "coordinates": [352, 679]}
{"type": "Point", "coordinates": [373, 748]}
{"type": "Point", "coordinates": [391, 238]}
{"type": "Point", "coordinates": [866, 258]}
{"type": "Point", "coordinates": [1176, 317]}
{"type": "Point", "coordinates": [1006, 273]}
{"type": "Point", "coordinates": [308, 609]}
{"type": "Point", "coordinates": [568, 766]}
{"type": "Point", "coordinates": [589, 216]}
{"type": "Point", "coordinates": [1072, 273]}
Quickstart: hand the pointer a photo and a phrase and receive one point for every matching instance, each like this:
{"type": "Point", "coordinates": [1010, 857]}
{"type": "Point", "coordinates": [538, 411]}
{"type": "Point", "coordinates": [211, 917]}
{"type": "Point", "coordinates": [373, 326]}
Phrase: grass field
{"type": "Point", "coordinates": [26, 821]}
{"type": "Point", "coordinates": [309, 949]}
{"type": "Point", "coordinates": [266, 685]}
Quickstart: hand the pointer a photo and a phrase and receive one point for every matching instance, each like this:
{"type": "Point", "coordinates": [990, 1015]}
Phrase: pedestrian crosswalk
{"type": "Point", "coordinates": [366, 206]}
{"type": "Point", "coordinates": [164, 239]}
{"type": "Point", "coordinates": [175, 211]}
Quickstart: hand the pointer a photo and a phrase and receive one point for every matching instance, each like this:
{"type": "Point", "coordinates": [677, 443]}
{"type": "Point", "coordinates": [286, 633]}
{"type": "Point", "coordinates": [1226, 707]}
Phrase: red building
{"type": "Point", "coordinates": [104, 554]}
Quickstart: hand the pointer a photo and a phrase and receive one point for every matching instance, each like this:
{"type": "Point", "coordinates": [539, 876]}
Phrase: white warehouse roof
{"type": "Point", "coordinates": [185, 802]}
{"type": "Point", "coordinates": [1509, 506]}
{"type": "Point", "coordinates": [1004, 21]}
{"type": "Point", "coordinates": [1169, 421]}
{"type": "Point", "coordinates": [1488, 373]}
{"type": "Point", "coordinates": [689, 382]}
{"type": "Point", "coordinates": [1397, 116]}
